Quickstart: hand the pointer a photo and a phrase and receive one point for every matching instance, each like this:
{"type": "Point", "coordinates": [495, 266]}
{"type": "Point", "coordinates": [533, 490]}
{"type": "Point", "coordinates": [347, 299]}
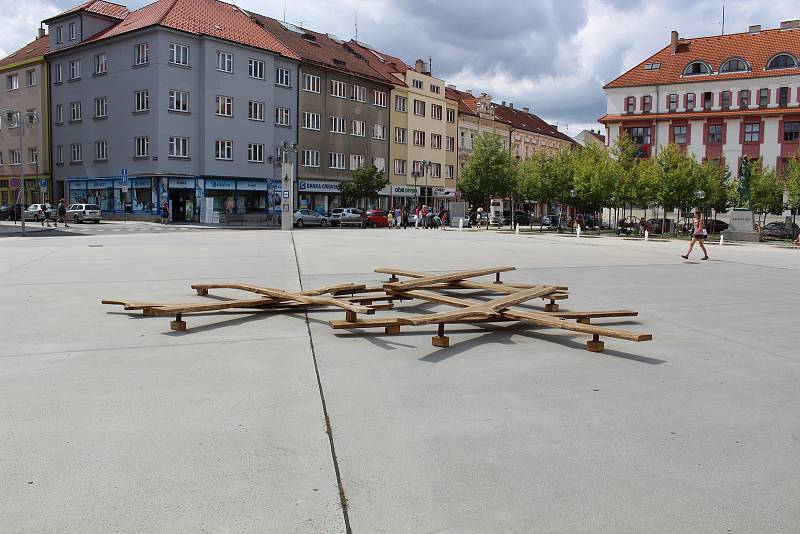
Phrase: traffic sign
{"type": "Point", "coordinates": [124, 176]}
{"type": "Point", "coordinates": [43, 182]}
{"type": "Point", "coordinates": [124, 188]}
{"type": "Point", "coordinates": [15, 182]}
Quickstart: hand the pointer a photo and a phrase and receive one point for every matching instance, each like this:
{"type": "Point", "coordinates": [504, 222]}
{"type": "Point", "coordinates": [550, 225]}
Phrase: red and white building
{"type": "Point", "coordinates": [719, 98]}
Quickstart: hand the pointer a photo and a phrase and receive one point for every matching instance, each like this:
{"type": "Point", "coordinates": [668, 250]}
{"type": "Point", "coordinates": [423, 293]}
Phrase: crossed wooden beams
{"type": "Point", "coordinates": [360, 299]}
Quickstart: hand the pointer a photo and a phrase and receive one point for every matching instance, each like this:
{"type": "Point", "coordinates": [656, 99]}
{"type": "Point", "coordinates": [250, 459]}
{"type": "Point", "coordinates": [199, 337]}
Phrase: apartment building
{"type": "Point", "coordinates": [719, 98]}
{"type": "Point", "coordinates": [343, 112]}
{"type": "Point", "coordinates": [24, 79]}
{"type": "Point", "coordinates": [189, 98]}
{"type": "Point", "coordinates": [529, 133]}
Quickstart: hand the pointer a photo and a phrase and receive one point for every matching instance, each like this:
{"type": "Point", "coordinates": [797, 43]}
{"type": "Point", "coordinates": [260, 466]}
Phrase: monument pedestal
{"type": "Point", "coordinates": [741, 227]}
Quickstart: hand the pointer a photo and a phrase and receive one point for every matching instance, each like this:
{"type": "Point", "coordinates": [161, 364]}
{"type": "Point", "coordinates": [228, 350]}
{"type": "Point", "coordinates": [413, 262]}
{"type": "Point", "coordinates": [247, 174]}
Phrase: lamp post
{"type": "Point", "coordinates": [572, 194]}
{"type": "Point", "coordinates": [425, 165]}
{"type": "Point", "coordinates": [285, 150]}
{"type": "Point", "coordinates": [702, 195]}
{"type": "Point", "coordinates": [415, 176]}
{"type": "Point", "coordinates": [15, 119]}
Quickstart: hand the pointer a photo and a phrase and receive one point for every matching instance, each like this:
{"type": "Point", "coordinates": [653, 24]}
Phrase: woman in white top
{"type": "Point", "coordinates": [698, 235]}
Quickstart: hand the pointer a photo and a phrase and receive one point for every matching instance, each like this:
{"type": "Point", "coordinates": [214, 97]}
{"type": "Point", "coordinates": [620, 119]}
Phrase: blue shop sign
{"type": "Point", "coordinates": [140, 183]}
{"type": "Point", "coordinates": [181, 183]}
{"type": "Point", "coordinates": [252, 185]}
{"type": "Point", "coordinates": [217, 183]}
{"type": "Point", "coordinates": [99, 184]}
{"type": "Point", "coordinates": [76, 185]}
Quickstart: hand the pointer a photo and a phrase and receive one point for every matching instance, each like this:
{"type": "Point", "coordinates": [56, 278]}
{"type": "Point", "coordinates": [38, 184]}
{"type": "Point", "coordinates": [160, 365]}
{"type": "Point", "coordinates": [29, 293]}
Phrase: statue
{"type": "Point", "coordinates": [745, 170]}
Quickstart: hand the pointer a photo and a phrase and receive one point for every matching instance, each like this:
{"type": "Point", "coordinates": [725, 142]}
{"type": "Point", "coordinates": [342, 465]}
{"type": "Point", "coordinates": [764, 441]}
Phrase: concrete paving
{"type": "Point", "coordinates": [114, 423]}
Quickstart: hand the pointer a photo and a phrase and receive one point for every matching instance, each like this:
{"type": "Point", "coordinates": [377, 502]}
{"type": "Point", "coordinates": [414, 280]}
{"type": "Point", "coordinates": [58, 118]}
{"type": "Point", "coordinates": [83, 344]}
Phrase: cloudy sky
{"type": "Point", "coordinates": [553, 56]}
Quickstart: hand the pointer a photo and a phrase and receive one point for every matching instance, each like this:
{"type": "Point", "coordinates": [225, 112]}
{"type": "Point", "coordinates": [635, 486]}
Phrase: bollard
{"type": "Point", "coordinates": [646, 235]}
{"type": "Point", "coordinates": [578, 232]}
{"type": "Point", "coordinates": [721, 240]}
{"type": "Point", "coordinates": [516, 230]}
{"type": "Point", "coordinates": [460, 223]}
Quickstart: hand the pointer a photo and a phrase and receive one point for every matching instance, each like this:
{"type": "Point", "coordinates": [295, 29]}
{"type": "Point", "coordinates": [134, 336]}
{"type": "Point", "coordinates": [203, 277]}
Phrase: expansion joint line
{"type": "Point", "coordinates": [328, 428]}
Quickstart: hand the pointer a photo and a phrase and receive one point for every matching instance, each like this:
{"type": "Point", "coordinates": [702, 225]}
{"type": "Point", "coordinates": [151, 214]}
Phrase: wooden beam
{"type": "Point", "coordinates": [449, 277]}
{"type": "Point", "coordinates": [543, 319]}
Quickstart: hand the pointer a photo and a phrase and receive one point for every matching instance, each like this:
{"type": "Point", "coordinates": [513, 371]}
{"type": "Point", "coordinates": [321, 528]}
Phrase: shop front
{"type": "Point", "coordinates": [320, 196]}
{"type": "Point", "coordinates": [393, 196]}
{"type": "Point", "coordinates": [181, 198]}
{"type": "Point", "coordinates": [442, 196]}
{"type": "Point", "coordinates": [35, 192]}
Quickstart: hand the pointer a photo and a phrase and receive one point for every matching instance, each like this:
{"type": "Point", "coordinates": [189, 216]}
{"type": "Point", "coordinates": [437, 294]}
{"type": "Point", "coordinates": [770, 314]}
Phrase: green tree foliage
{"type": "Point", "coordinates": [626, 167]}
{"type": "Point", "coordinates": [676, 179]}
{"type": "Point", "coordinates": [766, 191]}
{"type": "Point", "coordinates": [793, 183]}
{"type": "Point", "coordinates": [645, 190]}
{"type": "Point", "coordinates": [531, 182]}
{"type": "Point", "coordinates": [490, 170]}
{"type": "Point", "coordinates": [713, 179]}
{"type": "Point", "coordinates": [594, 177]}
{"type": "Point", "coordinates": [365, 184]}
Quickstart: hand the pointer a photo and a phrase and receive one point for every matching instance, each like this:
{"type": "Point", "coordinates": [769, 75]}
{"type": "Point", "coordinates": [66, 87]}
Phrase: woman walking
{"type": "Point", "coordinates": [698, 235]}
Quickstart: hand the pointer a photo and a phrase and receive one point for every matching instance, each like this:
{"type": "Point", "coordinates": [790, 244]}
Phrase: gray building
{"type": "Point", "coordinates": [343, 114]}
{"type": "Point", "coordinates": [189, 98]}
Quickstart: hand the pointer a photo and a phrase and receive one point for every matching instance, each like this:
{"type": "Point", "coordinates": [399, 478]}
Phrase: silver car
{"type": "Point", "coordinates": [347, 216]}
{"type": "Point", "coordinates": [303, 217]}
{"type": "Point", "coordinates": [37, 212]}
{"type": "Point", "coordinates": [80, 213]}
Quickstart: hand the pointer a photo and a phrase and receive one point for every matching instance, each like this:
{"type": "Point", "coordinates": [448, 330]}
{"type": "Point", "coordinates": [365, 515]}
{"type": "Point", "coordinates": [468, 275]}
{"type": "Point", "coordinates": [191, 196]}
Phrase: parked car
{"type": "Point", "coordinates": [10, 212]}
{"type": "Point", "coordinates": [520, 217]}
{"type": "Point", "coordinates": [715, 226]}
{"type": "Point", "coordinates": [376, 219]}
{"type": "Point", "coordinates": [551, 221]}
{"type": "Point", "coordinates": [782, 230]}
{"type": "Point", "coordinates": [655, 226]}
{"type": "Point", "coordinates": [36, 212]}
{"type": "Point", "coordinates": [304, 217]}
{"type": "Point", "coordinates": [81, 213]}
{"type": "Point", "coordinates": [346, 216]}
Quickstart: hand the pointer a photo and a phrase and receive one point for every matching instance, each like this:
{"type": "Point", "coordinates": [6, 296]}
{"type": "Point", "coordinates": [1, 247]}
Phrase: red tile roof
{"type": "Point", "coordinates": [37, 48]}
{"type": "Point", "coordinates": [96, 7]}
{"type": "Point", "coordinates": [388, 66]}
{"type": "Point", "coordinates": [320, 49]}
{"type": "Point", "coordinates": [697, 115]}
{"type": "Point", "coordinates": [467, 104]}
{"type": "Point", "coordinates": [521, 120]}
{"type": "Point", "coordinates": [756, 48]}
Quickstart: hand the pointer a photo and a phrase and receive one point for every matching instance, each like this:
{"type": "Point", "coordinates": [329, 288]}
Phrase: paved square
{"type": "Point", "coordinates": [111, 422]}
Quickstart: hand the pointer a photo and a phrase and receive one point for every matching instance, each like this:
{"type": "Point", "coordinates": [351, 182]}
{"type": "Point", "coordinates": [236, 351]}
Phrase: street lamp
{"type": "Point", "coordinates": [425, 165]}
{"type": "Point", "coordinates": [14, 119]}
{"type": "Point", "coordinates": [572, 194]}
{"type": "Point", "coordinates": [285, 149]}
{"type": "Point", "coordinates": [702, 195]}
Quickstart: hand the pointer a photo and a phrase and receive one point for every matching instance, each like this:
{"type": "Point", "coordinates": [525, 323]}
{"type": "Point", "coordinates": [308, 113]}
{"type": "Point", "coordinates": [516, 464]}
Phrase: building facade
{"type": "Point", "coordinates": [24, 76]}
{"type": "Point", "coordinates": [718, 98]}
{"type": "Point", "coordinates": [191, 112]}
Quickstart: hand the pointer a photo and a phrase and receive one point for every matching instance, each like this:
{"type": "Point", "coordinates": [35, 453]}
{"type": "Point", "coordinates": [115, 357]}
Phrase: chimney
{"type": "Point", "coordinates": [790, 24]}
{"type": "Point", "coordinates": [469, 92]}
{"type": "Point", "coordinates": [451, 86]}
{"type": "Point", "coordinates": [511, 105]}
{"type": "Point", "coordinates": [526, 110]}
{"type": "Point", "coordinates": [503, 104]}
{"type": "Point", "coordinates": [674, 41]}
{"type": "Point", "coordinates": [419, 66]}
{"type": "Point", "coordinates": [41, 33]}
{"type": "Point", "coordinates": [754, 29]}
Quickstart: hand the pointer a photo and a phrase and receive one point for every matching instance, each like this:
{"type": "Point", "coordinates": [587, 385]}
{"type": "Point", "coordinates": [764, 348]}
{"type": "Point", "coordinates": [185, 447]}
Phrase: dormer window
{"type": "Point", "coordinates": [782, 61]}
{"type": "Point", "coordinates": [734, 65]}
{"type": "Point", "coordinates": [698, 68]}
{"type": "Point", "coordinates": [72, 33]}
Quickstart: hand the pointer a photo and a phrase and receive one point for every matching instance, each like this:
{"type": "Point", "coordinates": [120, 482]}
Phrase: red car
{"type": "Point", "coordinates": [376, 219]}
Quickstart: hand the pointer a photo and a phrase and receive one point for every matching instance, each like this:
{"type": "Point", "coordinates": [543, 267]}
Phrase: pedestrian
{"type": "Point", "coordinates": [62, 213]}
{"type": "Point", "coordinates": [698, 236]}
{"type": "Point", "coordinates": [405, 217]}
{"type": "Point", "coordinates": [398, 214]}
{"type": "Point", "coordinates": [45, 216]}
{"type": "Point", "coordinates": [164, 213]}
{"type": "Point", "coordinates": [390, 218]}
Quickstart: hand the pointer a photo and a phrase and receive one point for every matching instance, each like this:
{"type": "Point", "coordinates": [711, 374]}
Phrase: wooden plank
{"type": "Point", "coordinates": [499, 288]}
{"type": "Point", "coordinates": [281, 295]}
{"type": "Point", "coordinates": [334, 289]}
{"type": "Point", "coordinates": [594, 314]}
{"type": "Point", "coordinates": [381, 322]}
{"type": "Point", "coordinates": [543, 319]}
{"type": "Point", "coordinates": [449, 277]}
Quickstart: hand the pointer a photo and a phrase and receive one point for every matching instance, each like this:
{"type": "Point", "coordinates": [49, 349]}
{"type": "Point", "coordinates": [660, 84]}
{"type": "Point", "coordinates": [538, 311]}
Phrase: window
{"type": "Point", "coordinates": [436, 112]}
{"type": "Point", "coordinates": [791, 131]}
{"type": "Point", "coordinates": [672, 102]}
{"type": "Point", "coordinates": [436, 170]}
{"type": "Point", "coordinates": [763, 97]}
{"type": "Point", "coordinates": [223, 149]}
{"type": "Point", "coordinates": [359, 129]}
{"type": "Point", "coordinates": [336, 160]}
{"type": "Point", "coordinates": [436, 141]}
{"type": "Point", "coordinates": [708, 100]}
{"type": "Point", "coordinates": [782, 61]}
{"type": "Point", "coordinates": [640, 136]}
{"type": "Point", "coordinates": [310, 120]}
{"type": "Point", "coordinates": [450, 144]}
{"type": "Point", "coordinates": [179, 54]}
{"type": "Point", "coordinates": [734, 65]}
{"type": "Point", "coordinates": [141, 101]}
{"type": "Point", "coordinates": [59, 114]}
{"type": "Point", "coordinates": [60, 34]}
{"type": "Point", "coordinates": [255, 69]}
{"type": "Point", "coordinates": [679, 135]}
{"type": "Point", "coordinates": [400, 167]}
{"type": "Point", "coordinates": [725, 101]}
{"type": "Point", "coordinates": [310, 158]}
{"type": "Point", "coordinates": [379, 98]}
{"type": "Point", "coordinates": [400, 103]}
{"type": "Point", "coordinates": [647, 103]}
{"type": "Point", "coordinates": [400, 135]}
{"type": "Point", "coordinates": [14, 157]}
{"type": "Point", "coordinates": [142, 147]}
{"type": "Point", "coordinates": [224, 61]}
{"type": "Point", "coordinates": [311, 83]}
{"type": "Point", "coordinates": [689, 101]}
{"type": "Point", "coordinates": [449, 172]}
{"type": "Point", "coordinates": [379, 163]}
{"type": "Point", "coordinates": [33, 156]}
{"type": "Point", "coordinates": [77, 152]}
{"type": "Point", "coordinates": [630, 104]}
{"type": "Point", "coordinates": [12, 82]}
{"type": "Point", "coordinates": [714, 134]}
{"type": "Point", "coordinates": [419, 138]}
{"type": "Point", "coordinates": [419, 108]}
{"type": "Point", "coordinates": [435, 89]}
{"type": "Point", "coordinates": [255, 153]}
{"type": "Point", "coordinates": [58, 76]}
{"type": "Point", "coordinates": [179, 101]}
{"type": "Point", "coordinates": [451, 116]}
{"type": "Point", "coordinates": [75, 69]}
{"type": "Point", "coordinates": [379, 131]}
{"type": "Point", "coordinates": [359, 93]}
{"type": "Point", "coordinates": [100, 107]}
{"type": "Point", "coordinates": [100, 150]}
{"type": "Point", "coordinates": [255, 110]}
{"type": "Point", "coordinates": [30, 78]}
{"type": "Point", "coordinates": [783, 96]}
{"type": "Point", "coordinates": [224, 106]}
{"type": "Point", "coordinates": [75, 111]}
{"type": "Point", "coordinates": [282, 117]}
{"type": "Point", "coordinates": [72, 33]}
{"type": "Point", "coordinates": [338, 125]}
{"type": "Point", "coordinates": [752, 132]}
{"type": "Point", "coordinates": [356, 162]}
{"type": "Point", "coordinates": [744, 98]}
{"type": "Point", "coordinates": [696, 69]}
{"type": "Point", "coordinates": [141, 54]}
{"type": "Point", "coordinates": [178, 147]}
{"type": "Point", "coordinates": [282, 77]}
{"type": "Point", "coordinates": [100, 63]}
{"type": "Point", "coordinates": [338, 89]}
{"type": "Point", "coordinates": [417, 84]}
{"type": "Point", "coordinates": [59, 154]}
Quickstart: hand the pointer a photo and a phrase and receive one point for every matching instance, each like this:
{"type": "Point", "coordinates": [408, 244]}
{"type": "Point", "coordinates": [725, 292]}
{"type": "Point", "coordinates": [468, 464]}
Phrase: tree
{"type": "Point", "coordinates": [366, 183]}
{"type": "Point", "coordinates": [677, 186]}
{"type": "Point", "coordinates": [793, 184]}
{"type": "Point", "coordinates": [593, 177]}
{"type": "Point", "coordinates": [627, 187]}
{"type": "Point", "coordinates": [766, 191]}
{"type": "Point", "coordinates": [713, 179]}
{"type": "Point", "coordinates": [489, 171]}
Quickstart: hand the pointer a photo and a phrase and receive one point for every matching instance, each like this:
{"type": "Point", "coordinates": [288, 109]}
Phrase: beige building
{"type": "Point", "coordinates": [24, 79]}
